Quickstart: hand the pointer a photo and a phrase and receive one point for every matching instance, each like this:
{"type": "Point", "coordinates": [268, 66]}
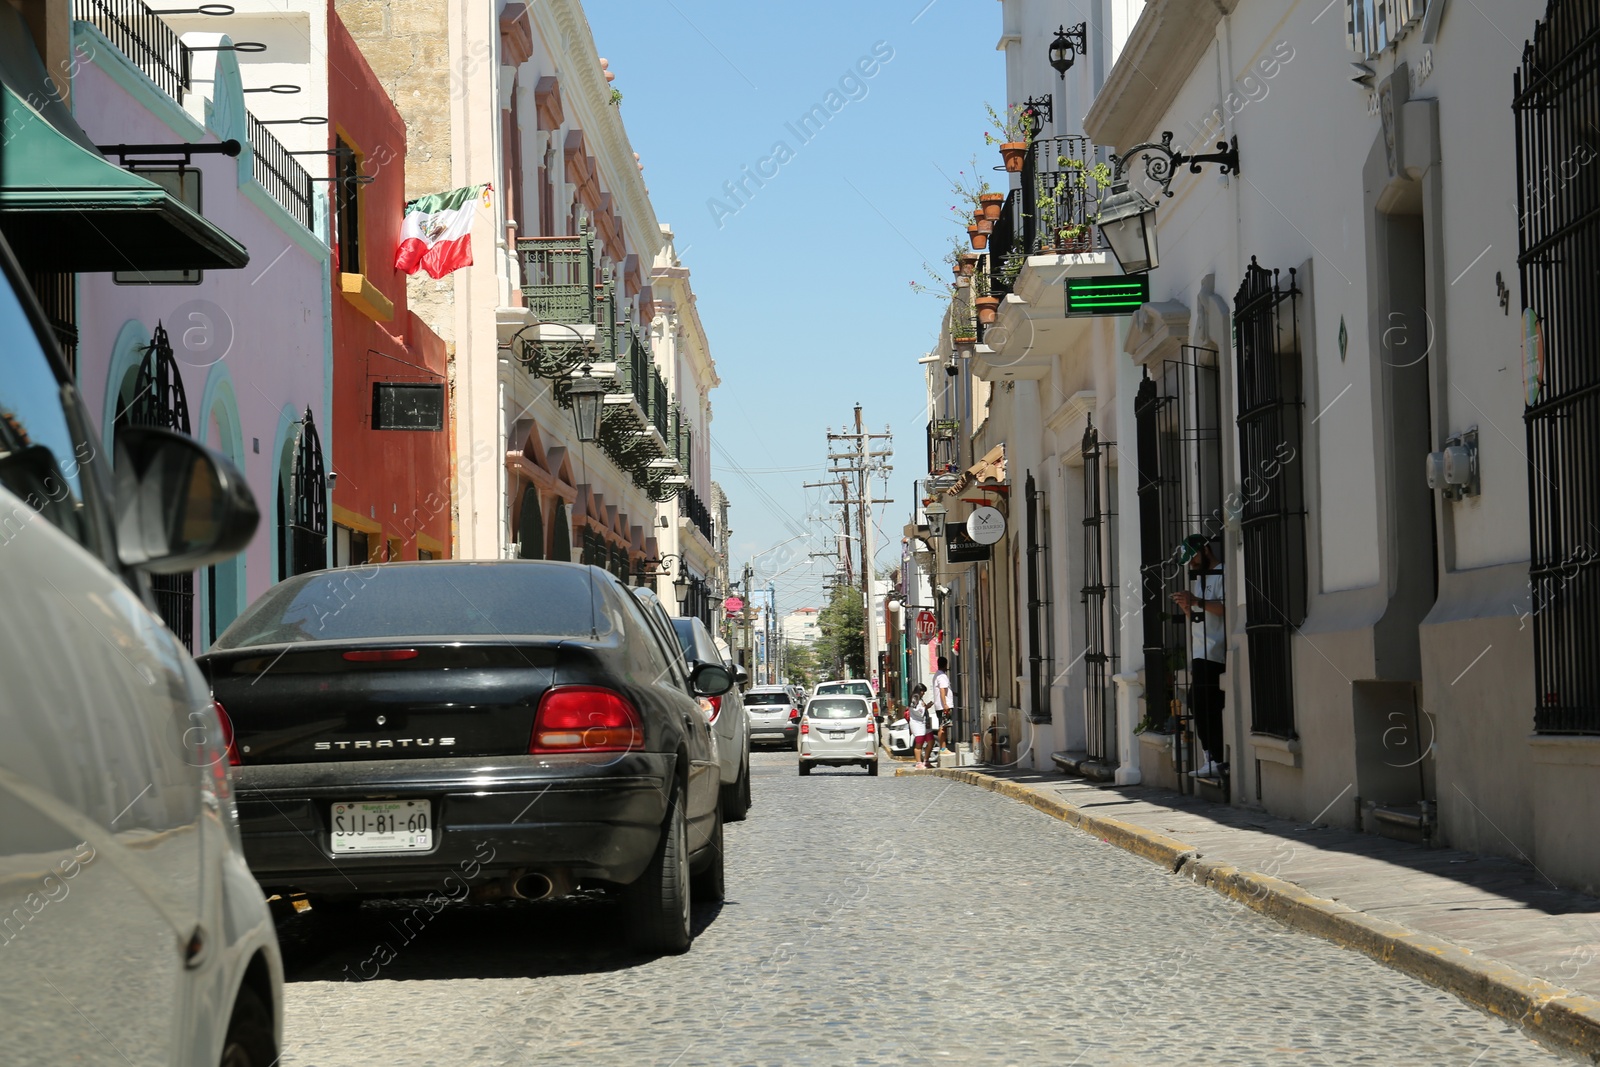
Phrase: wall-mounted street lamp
{"type": "Point", "coordinates": [587, 395]}
{"type": "Point", "coordinates": [1127, 217]}
{"type": "Point", "coordinates": [935, 513]}
{"type": "Point", "coordinates": [1067, 46]}
{"type": "Point", "coordinates": [680, 579]}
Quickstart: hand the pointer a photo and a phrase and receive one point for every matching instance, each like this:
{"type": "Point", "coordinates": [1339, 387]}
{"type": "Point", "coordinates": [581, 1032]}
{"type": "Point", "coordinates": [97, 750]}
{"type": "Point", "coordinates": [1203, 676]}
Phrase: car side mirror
{"type": "Point", "coordinates": [740, 675]}
{"type": "Point", "coordinates": [179, 505]}
{"type": "Point", "coordinates": [710, 680]}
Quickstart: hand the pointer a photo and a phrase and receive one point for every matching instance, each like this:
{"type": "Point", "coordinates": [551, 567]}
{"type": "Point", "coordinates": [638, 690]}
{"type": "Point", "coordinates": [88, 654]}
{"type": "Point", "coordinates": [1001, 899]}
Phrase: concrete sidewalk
{"type": "Point", "coordinates": [1492, 931]}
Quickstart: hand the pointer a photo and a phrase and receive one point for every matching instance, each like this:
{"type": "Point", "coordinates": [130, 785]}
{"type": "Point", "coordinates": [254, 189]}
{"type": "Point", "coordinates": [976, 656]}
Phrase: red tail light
{"type": "Point", "coordinates": [872, 727]}
{"type": "Point", "coordinates": [805, 726]}
{"type": "Point", "coordinates": [585, 718]}
{"type": "Point", "coordinates": [380, 655]}
{"type": "Point", "coordinates": [794, 713]}
{"type": "Point", "coordinates": [227, 735]}
{"type": "Point", "coordinates": [716, 707]}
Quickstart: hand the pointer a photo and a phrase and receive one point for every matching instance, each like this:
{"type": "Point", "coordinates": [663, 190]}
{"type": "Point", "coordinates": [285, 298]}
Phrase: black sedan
{"type": "Point", "coordinates": [510, 728]}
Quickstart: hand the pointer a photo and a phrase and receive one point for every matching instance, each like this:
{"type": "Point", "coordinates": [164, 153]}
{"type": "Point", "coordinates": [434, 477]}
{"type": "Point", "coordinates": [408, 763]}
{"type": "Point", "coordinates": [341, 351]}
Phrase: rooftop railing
{"type": "Point", "coordinates": [142, 36]}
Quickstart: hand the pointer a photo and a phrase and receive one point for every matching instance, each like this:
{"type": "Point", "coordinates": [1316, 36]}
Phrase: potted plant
{"type": "Point", "coordinates": [965, 261]}
{"type": "Point", "coordinates": [983, 222]}
{"type": "Point", "coordinates": [1013, 132]}
{"type": "Point", "coordinates": [979, 238]}
{"type": "Point", "coordinates": [991, 203]}
{"type": "Point", "coordinates": [987, 304]}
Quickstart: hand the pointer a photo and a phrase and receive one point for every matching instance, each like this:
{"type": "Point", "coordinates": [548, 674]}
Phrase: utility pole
{"type": "Point", "coordinates": [861, 460]}
{"type": "Point", "coordinates": [749, 640]}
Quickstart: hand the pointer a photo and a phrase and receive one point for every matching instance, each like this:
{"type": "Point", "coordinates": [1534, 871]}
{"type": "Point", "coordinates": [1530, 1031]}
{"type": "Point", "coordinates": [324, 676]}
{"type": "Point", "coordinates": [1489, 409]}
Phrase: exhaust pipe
{"type": "Point", "coordinates": [532, 887]}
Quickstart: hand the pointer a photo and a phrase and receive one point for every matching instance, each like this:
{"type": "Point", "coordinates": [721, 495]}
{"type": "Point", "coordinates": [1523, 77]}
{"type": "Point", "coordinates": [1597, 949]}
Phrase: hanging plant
{"type": "Point", "coordinates": [1013, 132]}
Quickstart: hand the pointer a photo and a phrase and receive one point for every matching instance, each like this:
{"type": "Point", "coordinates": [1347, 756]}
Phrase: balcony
{"type": "Point", "coordinates": [691, 507]}
{"type": "Point", "coordinates": [1053, 211]}
{"type": "Point", "coordinates": [575, 307]}
{"type": "Point", "coordinates": [944, 446]}
{"type": "Point", "coordinates": [142, 36]}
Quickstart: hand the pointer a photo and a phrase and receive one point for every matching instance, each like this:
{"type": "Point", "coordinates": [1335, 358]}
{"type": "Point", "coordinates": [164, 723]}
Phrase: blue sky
{"type": "Point", "coordinates": [804, 287]}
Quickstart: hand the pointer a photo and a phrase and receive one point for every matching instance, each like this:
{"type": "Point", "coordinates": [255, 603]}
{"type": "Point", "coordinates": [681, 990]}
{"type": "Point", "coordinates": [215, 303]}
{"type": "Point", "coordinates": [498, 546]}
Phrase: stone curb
{"type": "Point", "coordinates": [1558, 1018]}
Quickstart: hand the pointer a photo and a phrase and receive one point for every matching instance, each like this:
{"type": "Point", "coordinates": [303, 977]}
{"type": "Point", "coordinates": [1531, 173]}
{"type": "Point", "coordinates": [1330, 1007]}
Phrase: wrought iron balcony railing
{"type": "Point", "coordinates": [691, 507]}
{"type": "Point", "coordinates": [558, 278]}
{"type": "Point", "coordinates": [142, 36]}
{"type": "Point", "coordinates": [1053, 212]}
{"type": "Point", "coordinates": [279, 173]}
{"type": "Point", "coordinates": [944, 446]}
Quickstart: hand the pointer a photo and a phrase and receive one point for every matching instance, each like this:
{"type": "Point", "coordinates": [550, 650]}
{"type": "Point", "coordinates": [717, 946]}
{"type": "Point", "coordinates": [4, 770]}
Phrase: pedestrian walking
{"type": "Point", "coordinates": [917, 714]}
{"type": "Point", "coordinates": [1204, 603]}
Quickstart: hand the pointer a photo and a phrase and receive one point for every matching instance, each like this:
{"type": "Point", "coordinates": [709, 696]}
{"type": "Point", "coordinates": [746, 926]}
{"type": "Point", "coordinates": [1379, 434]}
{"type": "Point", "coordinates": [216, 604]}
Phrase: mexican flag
{"type": "Point", "coordinates": [436, 235]}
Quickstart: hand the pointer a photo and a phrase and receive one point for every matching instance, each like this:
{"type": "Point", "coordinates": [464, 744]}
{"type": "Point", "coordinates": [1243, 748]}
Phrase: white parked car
{"type": "Point", "coordinates": [129, 923]}
{"type": "Point", "coordinates": [838, 731]}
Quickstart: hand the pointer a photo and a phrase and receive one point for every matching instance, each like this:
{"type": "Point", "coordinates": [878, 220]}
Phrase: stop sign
{"type": "Point", "coordinates": [927, 624]}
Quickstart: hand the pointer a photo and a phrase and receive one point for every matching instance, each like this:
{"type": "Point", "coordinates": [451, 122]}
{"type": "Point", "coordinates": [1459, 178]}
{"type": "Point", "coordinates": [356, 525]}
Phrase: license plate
{"type": "Point", "coordinates": [382, 826]}
{"type": "Point", "coordinates": [838, 735]}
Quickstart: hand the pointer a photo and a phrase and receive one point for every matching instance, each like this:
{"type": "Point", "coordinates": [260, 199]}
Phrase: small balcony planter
{"type": "Point", "coordinates": [979, 239]}
{"type": "Point", "coordinates": [990, 204]}
{"type": "Point", "coordinates": [982, 222]}
{"type": "Point", "coordinates": [988, 308]}
{"type": "Point", "coordinates": [1012, 153]}
{"type": "Point", "coordinates": [965, 264]}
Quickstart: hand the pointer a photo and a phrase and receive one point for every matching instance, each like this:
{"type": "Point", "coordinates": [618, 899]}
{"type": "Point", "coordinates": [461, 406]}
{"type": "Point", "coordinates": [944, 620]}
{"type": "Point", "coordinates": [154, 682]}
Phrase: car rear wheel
{"type": "Point", "coordinates": [658, 902]}
{"type": "Point", "coordinates": [249, 1042]}
{"type": "Point", "coordinates": [736, 796]}
{"type": "Point", "coordinates": [805, 769]}
{"type": "Point", "coordinates": [872, 768]}
{"type": "Point", "coordinates": [709, 882]}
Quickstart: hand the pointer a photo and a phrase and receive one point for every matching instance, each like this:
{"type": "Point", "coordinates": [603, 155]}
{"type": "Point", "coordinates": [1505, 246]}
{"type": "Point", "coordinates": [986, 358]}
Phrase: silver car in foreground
{"type": "Point", "coordinates": [838, 731]}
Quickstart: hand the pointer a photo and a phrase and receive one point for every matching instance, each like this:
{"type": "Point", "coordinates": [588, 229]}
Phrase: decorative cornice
{"type": "Point", "coordinates": [565, 29]}
{"type": "Point", "coordinates": [1153, 67]}
{"type": "Point", "coordinates": [547, 101]}
{"type": "Point", "coordinates": [516, 35]}
{"type": "Point", "coordinates": [1075, 407]}
{"type": "Point", "coordinates": [1157, 331]}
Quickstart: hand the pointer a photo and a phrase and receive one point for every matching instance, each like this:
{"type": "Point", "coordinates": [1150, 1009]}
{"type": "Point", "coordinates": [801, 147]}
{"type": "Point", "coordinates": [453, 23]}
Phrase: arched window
{"type": "Point", "coordinates": [154, 396]}
{"type": "Point", "coordinates": [561, 534]}
{"type": "Point", "coordinates": [530, 526]}
{"type": "Point", "coordinates": [303, 505]}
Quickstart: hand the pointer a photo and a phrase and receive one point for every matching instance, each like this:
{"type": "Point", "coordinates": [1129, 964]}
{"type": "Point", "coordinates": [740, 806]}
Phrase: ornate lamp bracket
{"type": "Point", "coordinates": [1161, 160]}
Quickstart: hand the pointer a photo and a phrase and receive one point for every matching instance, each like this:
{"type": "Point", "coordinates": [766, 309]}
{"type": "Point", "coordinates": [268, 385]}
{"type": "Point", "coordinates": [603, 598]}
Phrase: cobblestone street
{"type": "Point", "coordinates": [886, 920]}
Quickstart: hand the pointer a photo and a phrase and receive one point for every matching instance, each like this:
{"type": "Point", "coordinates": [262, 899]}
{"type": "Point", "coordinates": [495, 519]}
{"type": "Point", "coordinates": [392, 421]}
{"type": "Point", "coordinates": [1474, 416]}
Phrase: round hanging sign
{"type": "Point", "coordinates": [732, 605]}
{"type": "Point", "coordinates": [986, 525]}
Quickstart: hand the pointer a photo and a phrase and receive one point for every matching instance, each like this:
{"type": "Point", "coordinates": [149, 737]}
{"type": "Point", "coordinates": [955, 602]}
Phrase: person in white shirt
{"type": "Point", "coordinates": [1207, 660]}
{"type": "Point", "coordinates": [943, 701]}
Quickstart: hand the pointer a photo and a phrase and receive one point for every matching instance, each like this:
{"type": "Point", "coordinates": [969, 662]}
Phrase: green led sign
{"type": "Point", "coordinates": [1116, 294]}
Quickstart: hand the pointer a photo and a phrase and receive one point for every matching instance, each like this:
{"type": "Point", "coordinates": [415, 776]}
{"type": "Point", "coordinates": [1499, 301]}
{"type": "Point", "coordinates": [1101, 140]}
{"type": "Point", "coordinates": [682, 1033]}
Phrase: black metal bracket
{"type": "Point", "coordinates": [229, 147]}
{"type": "Point", "coordinates": [1160, 168]}
{"type": "Point", "coordinates": [1041, 106]}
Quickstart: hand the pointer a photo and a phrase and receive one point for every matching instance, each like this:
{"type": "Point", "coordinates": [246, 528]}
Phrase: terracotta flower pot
{"type": "Point", "coordinates": [988, 308]}
{"type": "Point", "coordinates": [1012, 153]}
{"type": "Point", "coordinates": [979, 239]}
{"type": "Point", "coordinates": [984, 225]}
{"type": "Point", "coordinates": [965, 263]}
{"type": "Point", "coordinates": [991, 203]}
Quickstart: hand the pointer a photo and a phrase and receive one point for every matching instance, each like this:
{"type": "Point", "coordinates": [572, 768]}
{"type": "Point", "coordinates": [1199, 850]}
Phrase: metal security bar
{"type": "Point", "coordinates": [303, 508]}
{"type": "Point", "coordinates": [279, 173]}
{"type": "Point", "coordinates": [1039, 635]}
{"type": "Point", "coordinates": [1005, 253]}
{"type": "Point", "coordinates": [1267, 341]}
{"type": "Point", "coordinates": [691, 507]}
{"type": "Point", "coordinates": [159, 401]}
{"type": "Point", "coordinates": [1100, 623]}
{"type": "Point", "coordinates": [1178, 422]}
{"type": "Point", "coordinates": [142, 36]}
{"type": "Point", "coordinates": [1557, 107]}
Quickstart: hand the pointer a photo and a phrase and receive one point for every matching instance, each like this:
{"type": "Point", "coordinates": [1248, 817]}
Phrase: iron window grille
{"type": "Point", "coordinates": [159, 401]}
{"type": "Point", "coordinates": [1100, 622]}
{"type": "Point", "coordinates": [1558, 193]}
{"type": "Point", "coordinates": [303, 506]}
{"type": "Point", "coordinates": [1178, 424]}
{"type": "Point", "coordinates": [1041, 630]}
{"type": "Point", "coordinates": [347, 205]}
{"type": "Point", "coordinates": [1267, 341]}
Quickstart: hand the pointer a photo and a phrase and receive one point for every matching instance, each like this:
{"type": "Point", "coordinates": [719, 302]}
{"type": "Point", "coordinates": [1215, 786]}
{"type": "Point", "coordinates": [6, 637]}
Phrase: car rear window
{"type": "Point", "coordinates": [765, 698]}
{"type": "Point", "coordinates": [433, 600]}
{"type": "Point", "coordinates": [860, 689]}
{"type": "Point", "coordinates": [837, 708]}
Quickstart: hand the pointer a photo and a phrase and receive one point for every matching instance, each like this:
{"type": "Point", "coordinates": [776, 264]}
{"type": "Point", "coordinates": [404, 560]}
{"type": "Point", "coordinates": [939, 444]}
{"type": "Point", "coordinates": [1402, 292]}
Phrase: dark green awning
{"type": "Point", "coordinates": [64, 207]}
